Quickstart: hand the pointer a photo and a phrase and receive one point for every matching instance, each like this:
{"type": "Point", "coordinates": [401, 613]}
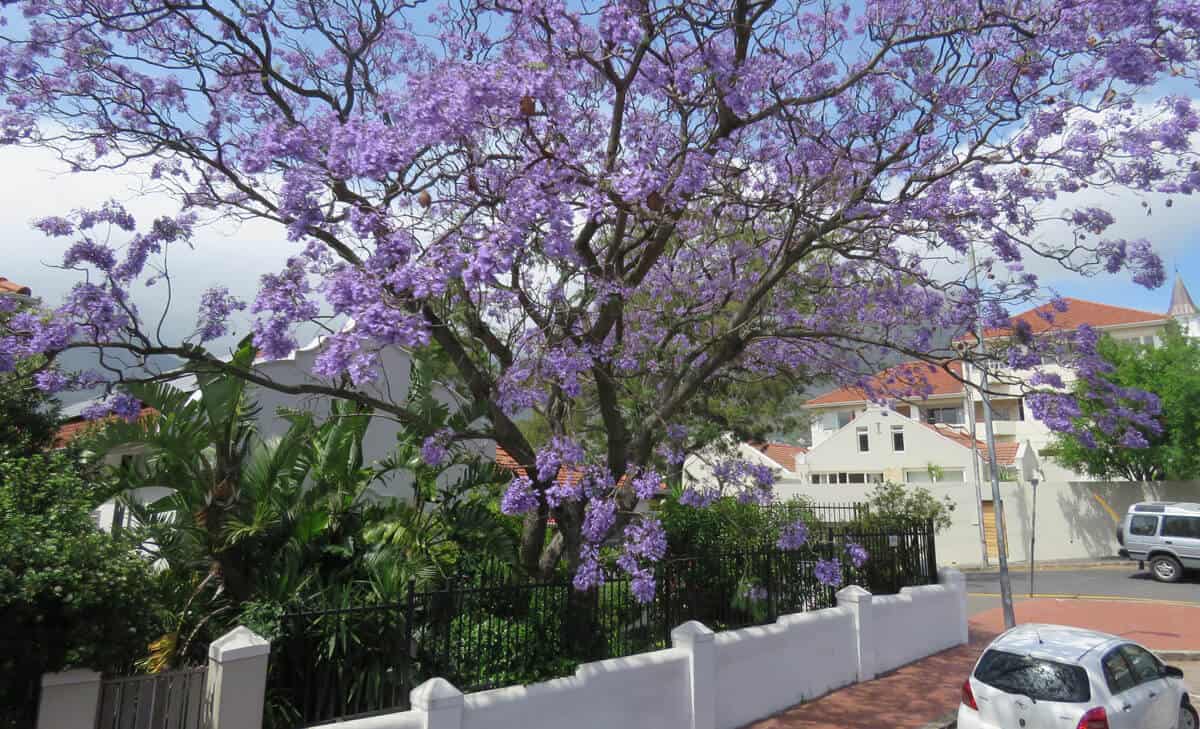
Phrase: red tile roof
{"type": "Point", "coordinates": [1006, 453]}
{"type": "Point", "coordinates": [782, 453]}
{"type": "Point", "coordinates": [76, 427]}
{"type": "Point", "coordinates": [903, 379]}
{"type": "Point", "coordinates": [9, 287]}
{"type": "Point", "coordinates": [1078, 312]}
{"type": "Point", "coordinates": [566, 476]}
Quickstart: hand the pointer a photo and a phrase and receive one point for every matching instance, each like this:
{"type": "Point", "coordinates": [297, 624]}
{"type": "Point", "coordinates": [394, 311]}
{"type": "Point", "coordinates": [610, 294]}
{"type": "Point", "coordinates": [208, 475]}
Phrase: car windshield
{"type": "Point", "coordinates": [1037, 678]}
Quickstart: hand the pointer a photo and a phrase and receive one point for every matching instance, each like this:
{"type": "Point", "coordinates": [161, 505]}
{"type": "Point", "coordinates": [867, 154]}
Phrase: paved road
{"type": "Point", "coordinates": [1119, 581]}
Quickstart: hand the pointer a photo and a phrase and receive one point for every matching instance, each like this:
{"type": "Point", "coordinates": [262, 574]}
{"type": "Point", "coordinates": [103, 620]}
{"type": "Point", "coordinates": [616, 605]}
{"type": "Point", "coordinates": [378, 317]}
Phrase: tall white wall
{"type": "Point", "coordinates": [1075, 519]}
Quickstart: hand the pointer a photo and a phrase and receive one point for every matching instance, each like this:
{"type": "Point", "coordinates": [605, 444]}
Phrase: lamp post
{"type": "Point", "coordinates": [1033, 482]}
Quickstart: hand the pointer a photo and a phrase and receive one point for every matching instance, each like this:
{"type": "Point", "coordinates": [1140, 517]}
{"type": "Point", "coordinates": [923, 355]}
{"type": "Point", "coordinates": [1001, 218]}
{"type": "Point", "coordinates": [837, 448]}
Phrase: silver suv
{"type": "Point", "coordinates": [1167, 535]}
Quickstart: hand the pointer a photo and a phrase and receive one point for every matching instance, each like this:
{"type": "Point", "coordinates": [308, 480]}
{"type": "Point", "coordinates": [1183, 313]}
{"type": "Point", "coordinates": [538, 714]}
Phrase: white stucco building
{"type": "Point", "coordinates": [947, 401]}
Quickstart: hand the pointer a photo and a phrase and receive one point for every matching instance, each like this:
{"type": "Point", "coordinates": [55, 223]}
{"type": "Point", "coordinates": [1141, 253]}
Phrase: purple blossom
{"type": "Point", "coordinates": [519, 498]}
{"type": "Point", "coordinates": [216, 305]}
{"type": "Point", "coordinates": [601, 515]}
{"type": "Point", "coordinates": [793, 536]}
{"type": "Point", "coordinates": [434, 450]}
{"type": "Point", "coordinates": [646, 485]}
{"type": "Point", "coordinates": [560, 453]}
{"type": "Point", "coordinates": [589, 573]}
{"type": "Point", "coordinates": [697, 498]}
{"type": "Point", "coordinates": [828, 572]}
{"type": "Point", "coordinates": [643, 585]}
{"type": "Point", "coordinates": [857, 554]}
{"type": "Point", "coordinates": [50, 381]}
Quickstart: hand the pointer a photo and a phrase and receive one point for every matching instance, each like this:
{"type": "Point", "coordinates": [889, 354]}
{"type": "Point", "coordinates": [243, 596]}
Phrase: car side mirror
{"type": "Point", "coordinates": [1172, 672]}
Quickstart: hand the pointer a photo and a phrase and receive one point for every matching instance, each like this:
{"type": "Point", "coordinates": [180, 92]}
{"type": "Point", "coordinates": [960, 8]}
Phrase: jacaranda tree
{"type": "Point", "coordinates": [606, 207]}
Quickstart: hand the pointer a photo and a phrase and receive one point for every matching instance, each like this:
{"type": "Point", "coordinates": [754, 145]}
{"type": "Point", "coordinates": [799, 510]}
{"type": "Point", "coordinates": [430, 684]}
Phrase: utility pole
{"type": "Point", "coordinates": [970, 408]}
{"type": "Point", "coordinates": [1033, 483]}
{"type": "Point", "coordinates": [1006, 599]}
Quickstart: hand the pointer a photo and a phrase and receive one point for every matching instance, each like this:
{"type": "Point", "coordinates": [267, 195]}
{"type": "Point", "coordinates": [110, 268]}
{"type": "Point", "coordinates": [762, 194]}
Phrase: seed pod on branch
{"type": "Point", "coordinates": [528, 105]}
{"type": "Point", "coordinates": [424, 199]}
{"type": "Point", "coordinates": [655, 201]}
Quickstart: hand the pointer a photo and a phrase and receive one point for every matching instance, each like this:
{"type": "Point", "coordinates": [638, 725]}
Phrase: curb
{"type": "Point", "coordinates": [1075, 596]}
{"type": "Point", "coordinates": [1051, 566]}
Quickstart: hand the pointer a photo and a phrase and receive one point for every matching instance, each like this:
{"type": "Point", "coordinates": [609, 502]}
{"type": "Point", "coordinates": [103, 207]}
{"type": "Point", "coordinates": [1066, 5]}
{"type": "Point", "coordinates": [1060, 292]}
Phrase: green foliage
{"type": "Point", "coordinates": [70, 595]}
{"type": "Point", "coordinates": [893, 504]}
{"type": "Point", "coordinates": [28, 417]}
{"type": "Point", "coordinates": [727, 525]}
{"type": "Point", "coordinates": [1171, 371]}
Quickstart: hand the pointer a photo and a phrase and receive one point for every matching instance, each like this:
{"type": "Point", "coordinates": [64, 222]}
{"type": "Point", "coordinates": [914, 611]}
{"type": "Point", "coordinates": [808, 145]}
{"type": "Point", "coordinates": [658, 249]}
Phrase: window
{"type": "Point", "coordinates": [1117, 672]}
{"type": "Point", "coordinates": [858, 478]}
{"type": "Point", "coordinates": [1037, 678]}
{"type": "Point", "coordinates": [1143, 663]}
{"type": "Point", "coordinates": [864, 439]}
{"type": "Point", "coordinates": [1143, 525]}
{"type": "Point", "coordinates": [898, 438]}
{"type": "Point", "coordinates": [1186, 527]}
{"type": "Point", "coordinates": [951, 475]}
{"type": "Point", "coordinates": [950, 416]}
{"type": "Point", "coordinates": [818, 478]}
{"type": "Point", "coordinates": [918, 476]}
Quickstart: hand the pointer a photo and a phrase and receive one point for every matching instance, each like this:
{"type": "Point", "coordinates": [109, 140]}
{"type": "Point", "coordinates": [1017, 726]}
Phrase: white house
{"type": "Point", "coordinates": [880, 444]}
{"type": "Point", "coordinates": [947, 399]}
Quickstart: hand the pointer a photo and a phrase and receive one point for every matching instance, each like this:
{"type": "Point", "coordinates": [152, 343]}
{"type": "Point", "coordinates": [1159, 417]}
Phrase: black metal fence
{"type": "Point", "coordinates": [494, 629]}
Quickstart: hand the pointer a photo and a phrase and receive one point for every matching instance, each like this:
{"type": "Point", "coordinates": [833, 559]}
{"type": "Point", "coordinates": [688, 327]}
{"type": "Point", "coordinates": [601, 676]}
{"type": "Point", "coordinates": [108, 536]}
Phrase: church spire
{"type": "Point", "coordinates": [1181, 300]}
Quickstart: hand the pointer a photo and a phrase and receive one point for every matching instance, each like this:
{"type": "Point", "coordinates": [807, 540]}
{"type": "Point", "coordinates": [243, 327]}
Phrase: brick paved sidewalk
{"type": "Point", "coordinates": [927, 690]}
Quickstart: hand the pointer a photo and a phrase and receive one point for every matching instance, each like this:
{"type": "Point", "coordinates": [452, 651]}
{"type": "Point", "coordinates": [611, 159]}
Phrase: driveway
{"type": "Point", "coordinates": [1122, 581]}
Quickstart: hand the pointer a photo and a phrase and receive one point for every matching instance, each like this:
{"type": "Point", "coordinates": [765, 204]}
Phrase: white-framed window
{"type": "Point", "coordinates": [864, 439]}
{"type": "Point", "coordinates": [898, 438]}
{"type": "Point", "coordinates": [841, 477]}
{"type": "Point", "coordinates": [934, 475]}
{"type": "Point", "coordinates": [950, 416]}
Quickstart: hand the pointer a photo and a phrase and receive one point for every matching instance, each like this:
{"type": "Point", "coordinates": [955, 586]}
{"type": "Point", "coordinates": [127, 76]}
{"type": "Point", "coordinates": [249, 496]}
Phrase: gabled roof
{"type": "Point", "coordinates": [11, 287]}
{"type": "Point", "coordinates": [906, 377]}
{"type": "Point", "coordinates": [1046, 318]}
{"type": "Point", "coordinates": [782, 453]}
{"type": "Point", "coordinates": [1006, 453]}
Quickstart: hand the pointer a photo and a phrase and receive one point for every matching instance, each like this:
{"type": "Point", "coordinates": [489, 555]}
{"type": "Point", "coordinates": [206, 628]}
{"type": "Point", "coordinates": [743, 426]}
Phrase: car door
{"type": "Point", "coordinates": [1161, 695]}
{"type": "Point", "coordinates": [1128, 702]}
{"type": "Point", "coordinates": [1182, 535]}
{"type": "Point", "coordinates": [1140, 534]}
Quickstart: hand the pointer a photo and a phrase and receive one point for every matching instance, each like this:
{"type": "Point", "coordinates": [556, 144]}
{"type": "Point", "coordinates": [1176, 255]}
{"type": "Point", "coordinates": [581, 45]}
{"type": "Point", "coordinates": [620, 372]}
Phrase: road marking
{"type": "Point", "coordinates": [1149, 600]}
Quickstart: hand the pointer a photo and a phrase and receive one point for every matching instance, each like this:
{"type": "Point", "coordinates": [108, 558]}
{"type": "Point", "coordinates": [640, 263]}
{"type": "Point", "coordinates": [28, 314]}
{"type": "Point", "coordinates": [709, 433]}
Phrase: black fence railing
{"type": "Point", "coordinates": [491, 628]}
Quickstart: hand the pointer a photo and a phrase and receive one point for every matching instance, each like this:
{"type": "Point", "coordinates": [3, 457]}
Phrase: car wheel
{"type": "Point", "coordinates": [1188, 718]}
{"type": "Point", "coordinates": [1166, 568]}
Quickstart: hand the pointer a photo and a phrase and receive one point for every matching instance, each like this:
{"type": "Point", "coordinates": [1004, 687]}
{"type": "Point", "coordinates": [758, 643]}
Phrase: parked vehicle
{"type": "Point", "coordinates": [1167, 535]}
{"type": "Point", "coordinates": [1057, 677]}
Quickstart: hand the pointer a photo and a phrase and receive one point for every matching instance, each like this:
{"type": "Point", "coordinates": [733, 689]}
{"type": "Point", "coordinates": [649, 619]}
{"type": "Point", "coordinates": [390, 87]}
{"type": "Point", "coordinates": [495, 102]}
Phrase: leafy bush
{"type": "Point", "coordinates": [70, 595]}
{"type": "Point", "coordinates": [727, 525]}
{"type": "Point", "coordinates": [893, 504]}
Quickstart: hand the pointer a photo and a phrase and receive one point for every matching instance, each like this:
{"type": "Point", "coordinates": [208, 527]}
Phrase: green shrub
{"type": "Point", "coordinates": [70, 595]}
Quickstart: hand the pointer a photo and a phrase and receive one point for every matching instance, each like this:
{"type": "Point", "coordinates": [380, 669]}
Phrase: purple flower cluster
{"type": "Point", "coordinates": [793, 536]}
{"type": "Point", "coordinates": [216, 305]}
{"type": "Point", "coordinates": [599, 521]}
{"type": "Point", "coordinates": [435, 449]}
{"type": "Point", "coordinates": [828, 572]}
{"type": "Point", "coordinates": [645, 544]}
{"type": "Point", "coordinates": [857, 554]}
{"type": "Point", "coordinates": [646, 485]}
{"type": "Point", "coordinates": [519, 497]}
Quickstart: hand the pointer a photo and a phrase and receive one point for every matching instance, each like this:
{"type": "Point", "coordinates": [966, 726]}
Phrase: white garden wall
{"type": "Point", "coordinates": [1075, 519]}
{"type": "Point", "coordinates": [714, 681]}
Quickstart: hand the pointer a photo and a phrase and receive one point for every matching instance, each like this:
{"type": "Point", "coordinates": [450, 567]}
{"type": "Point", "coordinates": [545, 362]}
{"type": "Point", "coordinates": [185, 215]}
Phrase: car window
{"type": "Point", "coordinates": [1036, 678]}
{"type": "Point", "coordinates": [1181, 526]}
{"type": "Point", "coordinates": [1117, 673]}
{"type": "Point", "coordinates": [1145, 666]}
{"type": "Point", "coordinates": [1143, 525]}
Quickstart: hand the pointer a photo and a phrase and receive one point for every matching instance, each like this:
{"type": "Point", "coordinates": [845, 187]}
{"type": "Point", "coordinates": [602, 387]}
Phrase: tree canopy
{"type": "Point", "coordinates": [601, 208]}
{"type": "Point", "coordinates": [1170, 371]}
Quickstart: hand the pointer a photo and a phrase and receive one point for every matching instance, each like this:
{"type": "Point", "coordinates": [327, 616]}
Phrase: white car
{"type": "Point", "coordinates": [1056, 677]}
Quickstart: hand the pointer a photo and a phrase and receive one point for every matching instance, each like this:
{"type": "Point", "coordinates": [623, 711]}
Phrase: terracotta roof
{"type": "Point", "coordinates": [782, 453]}
{"type": "Point", "coordinates": [566, 476]}
{"type": "Point", "coordinates": [1046, 318]}
{"type": "Point", "coordinates": [75, 427]}
{"type": "Point", "coordinates": [904, 380]}
{"type": "Point", "coordinates": [9, 287]}
{"type": "Point", "coordinates": [1006, 453]}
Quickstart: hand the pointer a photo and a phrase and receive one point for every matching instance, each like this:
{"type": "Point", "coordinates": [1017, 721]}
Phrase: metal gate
{"type": "Point", "coordinates": [168, 700]}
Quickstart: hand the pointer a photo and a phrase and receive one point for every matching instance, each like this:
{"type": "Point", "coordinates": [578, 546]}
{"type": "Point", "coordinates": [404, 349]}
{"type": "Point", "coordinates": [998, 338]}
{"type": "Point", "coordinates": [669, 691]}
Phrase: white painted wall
{"type": "Point", "coordinates": [765, 669]}
{"type": "Point", "coordinates": [708, 681]}
{"type": "Point", "coordinates": [1073, 517]}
